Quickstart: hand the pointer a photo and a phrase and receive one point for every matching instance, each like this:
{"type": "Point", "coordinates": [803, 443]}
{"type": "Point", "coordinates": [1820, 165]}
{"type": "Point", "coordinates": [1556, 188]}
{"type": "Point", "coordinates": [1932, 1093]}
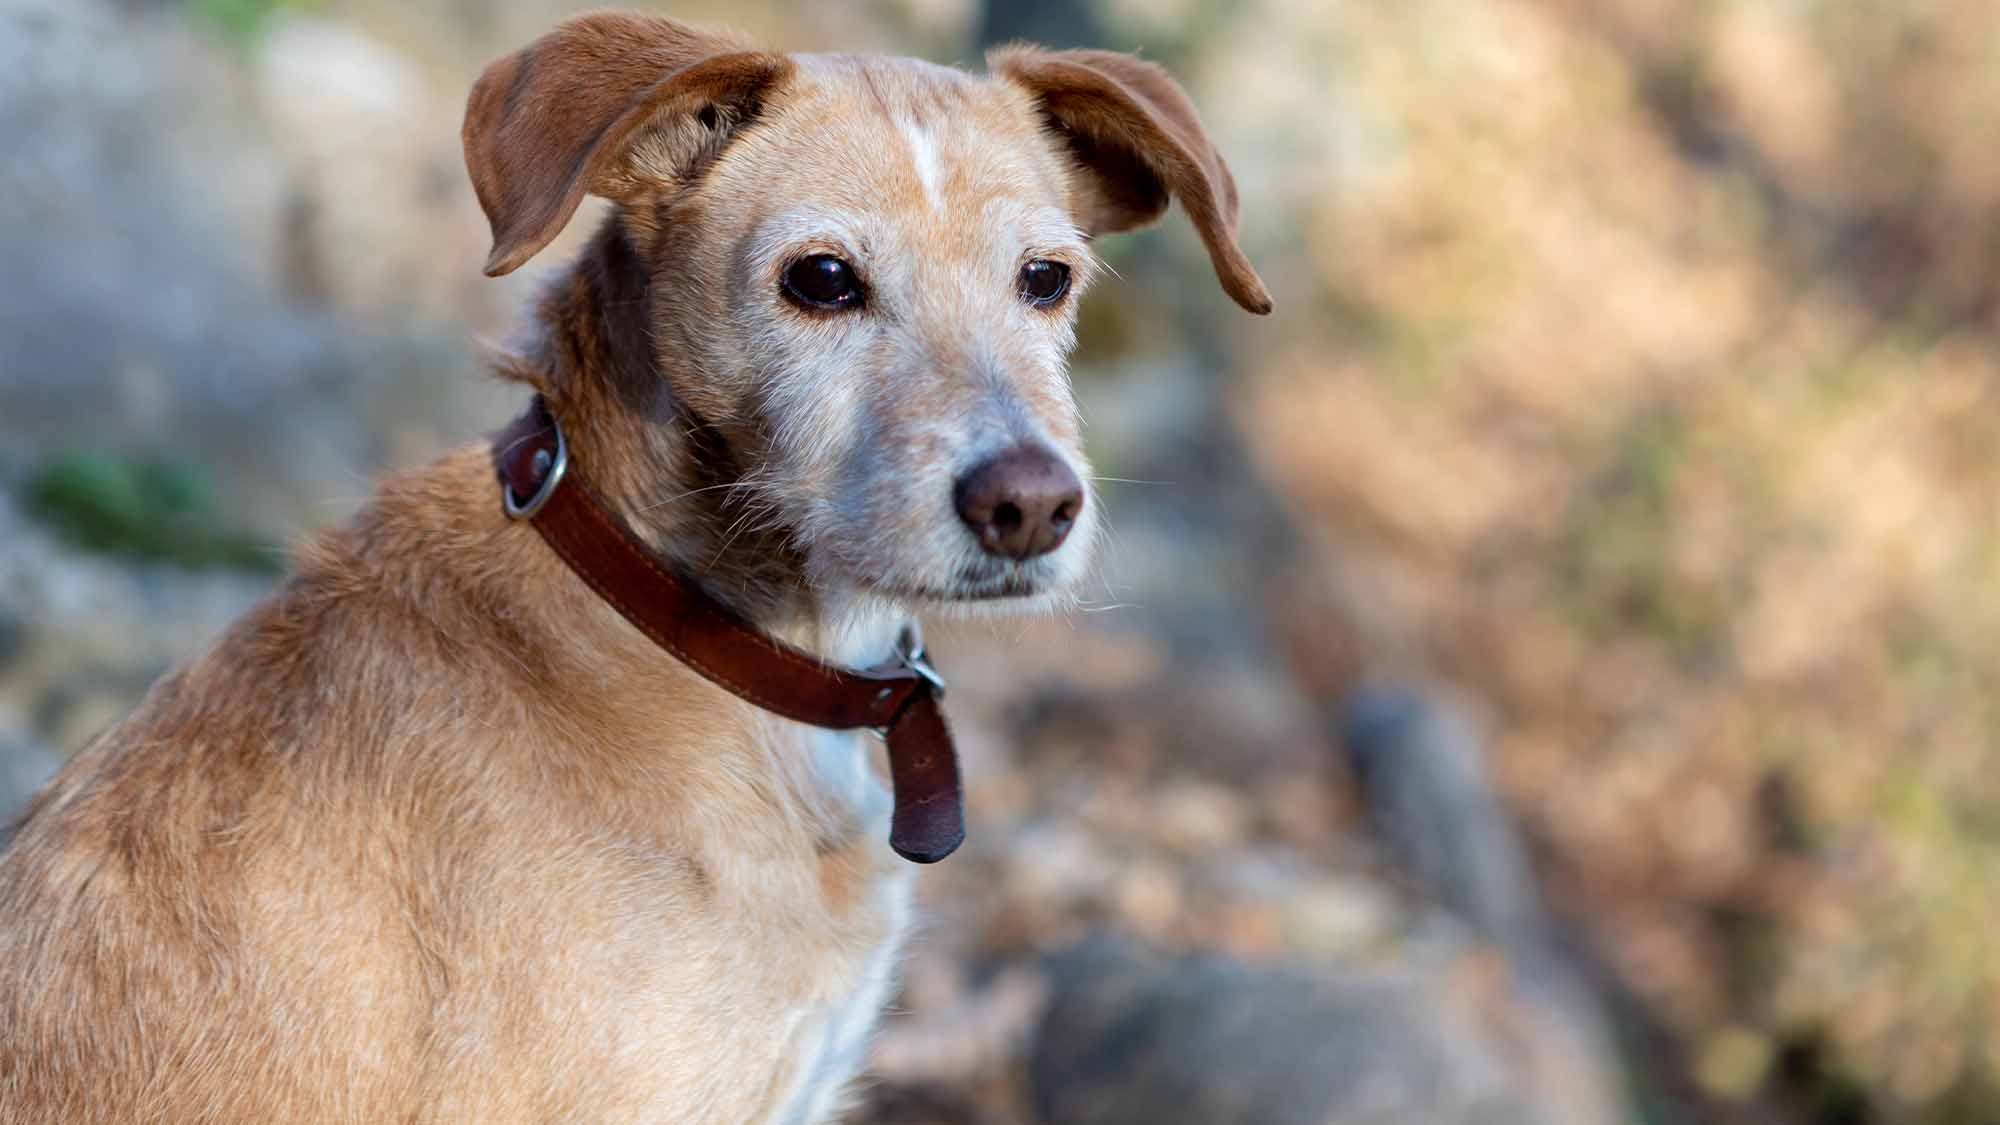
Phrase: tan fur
{"type": "Point", "coordinates": [433, 834]}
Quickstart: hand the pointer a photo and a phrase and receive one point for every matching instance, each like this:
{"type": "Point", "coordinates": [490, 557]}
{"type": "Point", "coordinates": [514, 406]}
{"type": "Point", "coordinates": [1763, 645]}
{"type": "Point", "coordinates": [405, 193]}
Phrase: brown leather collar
{"type": "Point", "coordinates": [539, 483]}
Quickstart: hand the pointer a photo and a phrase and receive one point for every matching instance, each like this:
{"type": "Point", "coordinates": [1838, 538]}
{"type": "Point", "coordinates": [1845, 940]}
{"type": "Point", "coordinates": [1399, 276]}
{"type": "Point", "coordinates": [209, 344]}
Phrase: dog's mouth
{"type": "Point", "coordinates": [977, 584]}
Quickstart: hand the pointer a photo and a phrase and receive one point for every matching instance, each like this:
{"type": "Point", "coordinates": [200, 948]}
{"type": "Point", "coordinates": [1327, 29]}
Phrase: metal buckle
{"type": "Point", "coordinates": [910, 646]}
{"type": "Point", "coordinates": [550, 479]}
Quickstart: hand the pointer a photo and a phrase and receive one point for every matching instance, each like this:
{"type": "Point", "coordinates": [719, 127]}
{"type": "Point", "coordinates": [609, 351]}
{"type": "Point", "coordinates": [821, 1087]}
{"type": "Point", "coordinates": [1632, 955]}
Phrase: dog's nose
{"type": "Point", "coordinates": [1021, 503]}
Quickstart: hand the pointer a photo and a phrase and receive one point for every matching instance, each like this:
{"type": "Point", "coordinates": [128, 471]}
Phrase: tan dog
{"type": "Point", "coordinates": [435, 834]}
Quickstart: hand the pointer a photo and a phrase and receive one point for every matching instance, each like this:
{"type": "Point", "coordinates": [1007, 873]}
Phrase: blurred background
{"type": "Point", "coordinates": [1547, 672]}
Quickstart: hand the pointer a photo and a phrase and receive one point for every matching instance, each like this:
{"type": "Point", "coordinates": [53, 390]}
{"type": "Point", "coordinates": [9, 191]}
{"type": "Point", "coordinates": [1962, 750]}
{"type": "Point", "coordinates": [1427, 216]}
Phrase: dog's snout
{"type": "Point", "coordinates": [1021, 503]}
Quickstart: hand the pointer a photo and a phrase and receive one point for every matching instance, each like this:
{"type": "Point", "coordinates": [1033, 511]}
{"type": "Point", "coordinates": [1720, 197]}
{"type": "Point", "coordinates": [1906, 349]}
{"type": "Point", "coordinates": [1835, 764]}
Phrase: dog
{"type": "Point", "coordinates": [542, 790]}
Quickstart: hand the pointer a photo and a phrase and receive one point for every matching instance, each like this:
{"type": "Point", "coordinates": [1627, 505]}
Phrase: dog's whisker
{"type": "Point", "coordinates": [729, 538]}
{"type": "Point", "coordinates": [734, 484]}
{"type": "Point", "coordinates": [1106, 559]}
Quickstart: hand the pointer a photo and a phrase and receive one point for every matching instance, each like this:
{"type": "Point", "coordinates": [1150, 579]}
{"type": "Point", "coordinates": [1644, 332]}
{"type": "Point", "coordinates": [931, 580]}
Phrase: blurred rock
{"type": "Point", "coordinates": [25, 766]}
{"type": "Point", "coordinates": [1053, 23]}
{"type": "Point", "coordinates": [12, 636]}
{"type": "Point", "coordinates": [380, 223]}
{"type": "Point", "coordinates": [1421, 773]}
{"type": "Point", "coordinates": [1137, 1040]}
{"type": "Point", "coordinates": [1379, 1014]}
{"type": "Point", "coordinates": [151, 192]}
{"type": "Point", "coordinates": [1420, 770]}
{"type": "Point", "coordinates": [927, 1105]}
{"type": "Point", "coordinates": [136, 206]}
{"type": "Point", "coordinates": [83, 637]}
{"type": "Point", "coordinates": [962, 1029]}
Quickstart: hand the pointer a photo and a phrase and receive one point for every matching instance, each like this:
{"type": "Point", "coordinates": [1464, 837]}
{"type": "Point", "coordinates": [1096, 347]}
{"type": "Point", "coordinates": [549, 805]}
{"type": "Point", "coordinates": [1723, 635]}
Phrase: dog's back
{"type": "Point", "coordinates": [220, 910]}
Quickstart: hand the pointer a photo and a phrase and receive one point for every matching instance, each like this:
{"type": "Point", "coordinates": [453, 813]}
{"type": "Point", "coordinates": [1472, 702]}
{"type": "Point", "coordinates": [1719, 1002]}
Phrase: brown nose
{"type": "Point", "coordinates": [1021, 503]}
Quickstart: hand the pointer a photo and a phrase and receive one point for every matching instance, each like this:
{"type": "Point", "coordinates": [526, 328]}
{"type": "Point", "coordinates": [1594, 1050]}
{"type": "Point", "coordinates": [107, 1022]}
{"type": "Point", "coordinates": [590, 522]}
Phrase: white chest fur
{"type": "Point", "coordinates": [832, 1038]}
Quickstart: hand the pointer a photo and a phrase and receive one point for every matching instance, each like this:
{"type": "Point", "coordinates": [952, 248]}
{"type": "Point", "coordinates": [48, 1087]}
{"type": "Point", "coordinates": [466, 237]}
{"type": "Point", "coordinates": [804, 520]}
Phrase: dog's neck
{"type": "Point", "coordinates": [676, 476]}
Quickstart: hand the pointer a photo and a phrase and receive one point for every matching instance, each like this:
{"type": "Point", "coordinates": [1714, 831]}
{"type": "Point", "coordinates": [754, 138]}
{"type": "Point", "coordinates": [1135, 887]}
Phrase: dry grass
{"type": "Point", "coordinates": [1642, 362]}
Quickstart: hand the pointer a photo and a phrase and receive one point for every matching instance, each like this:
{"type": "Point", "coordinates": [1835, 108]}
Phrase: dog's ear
{"type": "Point", "coordinates": [1136, 142]}
{"type": "Point", "coordinates": [610, 103]}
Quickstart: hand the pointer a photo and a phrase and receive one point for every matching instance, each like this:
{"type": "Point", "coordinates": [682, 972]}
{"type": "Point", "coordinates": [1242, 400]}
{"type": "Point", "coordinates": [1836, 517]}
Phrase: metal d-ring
{"type": "Point", "coordinates": [552, 477]}
{"type": "Point", "coordinates": [910, 646]}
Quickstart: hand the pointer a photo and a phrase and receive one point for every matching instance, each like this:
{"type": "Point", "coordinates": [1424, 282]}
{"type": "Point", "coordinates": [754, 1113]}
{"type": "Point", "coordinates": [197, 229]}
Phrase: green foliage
{"type": "Point", "coordinates": [154, 508]}
{"type": "Point", "coordinates": [240, 21]}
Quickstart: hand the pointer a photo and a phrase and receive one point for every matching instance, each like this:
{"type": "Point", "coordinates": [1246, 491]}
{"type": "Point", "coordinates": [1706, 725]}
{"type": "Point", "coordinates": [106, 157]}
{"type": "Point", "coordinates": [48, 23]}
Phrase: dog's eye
{"type": "Point", "coordinates": [823, 281]}
{"type": "Point", "coordinates": [1044, 282]}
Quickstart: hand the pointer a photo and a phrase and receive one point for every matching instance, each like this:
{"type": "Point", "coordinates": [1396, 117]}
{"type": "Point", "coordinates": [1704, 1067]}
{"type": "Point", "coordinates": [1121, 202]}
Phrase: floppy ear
{"type": "Point", "coordinates": [1136, 141]}
{"type": "Point", "coordinates": [609, 103]}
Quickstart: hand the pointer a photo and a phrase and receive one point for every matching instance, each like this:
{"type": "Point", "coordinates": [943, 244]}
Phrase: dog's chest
{"type": "Point", "coordinates": [751, 991]}
{"type": "Point", "coordinates": [833, 1036]}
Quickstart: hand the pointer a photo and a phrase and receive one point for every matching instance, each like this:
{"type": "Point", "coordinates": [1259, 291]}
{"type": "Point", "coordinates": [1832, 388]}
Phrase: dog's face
{"type": "Point", "coordinates": [867, 271]}
{"type": "Point", "coordinates": [890, 271]}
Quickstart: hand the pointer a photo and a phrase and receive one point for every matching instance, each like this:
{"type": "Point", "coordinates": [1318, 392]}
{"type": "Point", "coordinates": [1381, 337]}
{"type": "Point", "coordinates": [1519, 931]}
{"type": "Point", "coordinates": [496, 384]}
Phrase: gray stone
{"type": "Point", "coordinates": [167, 210]}
{"type": "Point", "coordinates": [1136, 1040]}
{"type": "Point", "coordinates": [85, 636]}
{"type": "Point", "coordinates": [25, 767]}
{"type": "Point", "coordinates": [1419, 766]}
{"type": "Point", "coordinates": [1420, 769]}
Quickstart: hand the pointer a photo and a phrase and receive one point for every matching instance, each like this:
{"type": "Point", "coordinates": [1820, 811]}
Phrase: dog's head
{"type": "Point", "coordinates": [861, 272]}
